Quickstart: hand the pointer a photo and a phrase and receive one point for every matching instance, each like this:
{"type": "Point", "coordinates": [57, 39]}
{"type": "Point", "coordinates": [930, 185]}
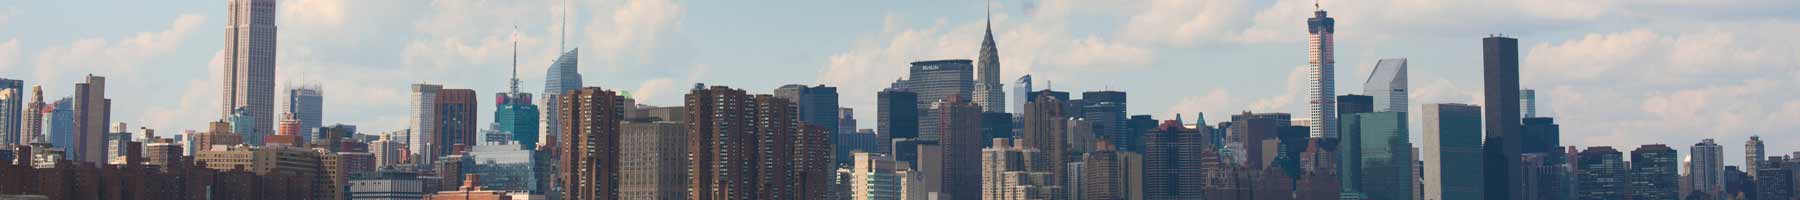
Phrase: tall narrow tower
{"type": "Point", "coordinates": [250, 62]}
{"type": "Point", "coordinates": [1324, 78]}
{"type": "Point", "coordinates": [989, 92]}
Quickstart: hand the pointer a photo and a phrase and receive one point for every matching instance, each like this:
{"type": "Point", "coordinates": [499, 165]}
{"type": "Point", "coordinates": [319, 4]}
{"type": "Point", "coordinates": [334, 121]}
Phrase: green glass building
{"type": "Point", "coordinates": [1386, 154]}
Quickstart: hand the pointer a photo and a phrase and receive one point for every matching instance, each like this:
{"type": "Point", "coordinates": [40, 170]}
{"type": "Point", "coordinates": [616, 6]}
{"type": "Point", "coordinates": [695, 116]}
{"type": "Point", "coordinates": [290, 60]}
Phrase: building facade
{"type": "Point", "coordinates": [12, 108]}
{"type": "Point", "coordinates": [1654, 173]}
{"type": "Point", "coordinates": [92, 113]}
{"type": "Point", "coordinates": [1452, 154]}
{"type": "Point", "coordinates": [1706, 169]}
{"type": "Point", "coordinates": [307, 103]}
{"type": "Point", "coordinates": [1600, 174]}
{"type": "Point", "coordinates": [939, 79]}
{"type": "Point", "coordinates": [1388, 85]}
{"type": "Point", "coordinates": [588, 162]}
{"type": "Point", "coordinates": [1500, 75]}
{"type": "Point", "coordinates": [1171, 168]}
{"type": "Point", "coordinates": [249, 53]}
{"type": "Point", "coordinates": [1321, 58]}
{"type": "Point", "coordinates": [655, 161]}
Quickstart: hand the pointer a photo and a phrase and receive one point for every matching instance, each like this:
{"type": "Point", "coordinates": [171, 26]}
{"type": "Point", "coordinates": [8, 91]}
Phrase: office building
{"type": "Point", "coordinates": [1385, 154]}
{"type": "Point", "coordinates": [1776, 181]}
{"type": "Point", "coordinates": [960, 123]}
{"type": "Point", "coordinates": [989, 93]}
{"type": "Point", "coordinates": [387, 185]}
{"type": "Point", "coordinates": [516, 115]}
{"type": "Point", "coordinates": [511, 168]}
{"type": "Point", "coordinates": [12, 103]}
{"type": "Point", "coordinates": [897, 114]}
{"type": "Point", "coordinates": [1021, 93]}
{"type": "Point", "coordinates": [444, 121]}
{"type": "Point", "coordinates": [59, 125]}
{"type": "Point", "coordinates": [1452, 155]}
{"type": "Point", "coordinates": [562, 76]}
{"type": "Point", "coordinates": [1171, 169]}
{"type": "Point", "coordinates": [1540, 135]}
{"type": "Point", "coordinates": [1136, 128]}
{"type": "Point", "coordinates": [873, 177]}
{"type": "Point", "coordinates": [1600, 174]}
{"type": "Point", "coordinates": [817, 105]}
{"type": "Point", "coordinates": [92, 112]}
{"type": "Point", "coordinates": [1350, 150]}
{"type": "Point", "coordinates": [588, 159]}
{"type": "Point", "coordinates": [250, 62]}
{"type": "Point", "coordinates": [244, 123]}
{"type": "Point", "coordinates": [996, 125]}
{"type": "Point", "coordinates": [1106, 109]}
{"type": "Point", "coordinates": [655, 160]}
{"type": "Point", "coordinates": [33, 129]}
{"type": "Point", "coordinates": [1045, 126]}
{"type": "Point", "coordinates": [1353, 104]}
{"type": "Point", "coordinates": [1500, 74]}
{"type": "Point", "coordinates": [1528, 103]}
{"type": "Point", "coordinates": [307, 103]}
{"type": "Point", "coordinates": [1706, 169]}
{"type": "Point", "coordinates": [1015, 172]}
{"type": "Point", "coordinates": [1104, 173]}
{"type": "Point", "coordinates": [1753, 156]}
{"type": "Point", "coordinates": [1653, 173]}
{"type": "Point", "coordinates": [1387, 84]}
{"type": "Point", "coordinates": [939, 79]}
{"type": "Point", "coordinates": [752, 147]}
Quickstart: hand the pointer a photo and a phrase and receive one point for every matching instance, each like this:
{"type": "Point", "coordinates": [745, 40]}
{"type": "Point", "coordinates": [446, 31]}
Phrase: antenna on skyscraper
{"type": "Point", "coordinates": [1316, 6]}
{"type": "Point", "coordinates": [561, 45]}
{"type": "Point", "coordinates": [515, 60]}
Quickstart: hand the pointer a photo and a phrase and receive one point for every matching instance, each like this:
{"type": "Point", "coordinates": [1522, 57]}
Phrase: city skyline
{"type": "Point", "coordinates": [158, 81]}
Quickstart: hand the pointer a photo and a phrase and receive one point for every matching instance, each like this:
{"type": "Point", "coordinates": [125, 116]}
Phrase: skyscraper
{"type": "Point", "coordinates": [1045, 123]}
{"type": "Point", "coordinates": [250, 61]}
{"type": "Point", "coordinates": [1528, 103]}
{"type": "Point", "coordinates": [1776, 181]}
{"type": "Point", "coordinates": [960, 122]}
{"type": "Point", "coordinates": [722, 142]}
{"type": "Point", "coordinates": [562, 76]}
{"type": "Point", "coordinates": [443, 121]}
{"type": "Point", "coordinates": [1103, 173]}
{"type": "Point", "coordinates": [1324, 82]}
{"type": "Point", "coordinates": [92, 112]}
{"type": "Point", "coordinates": [12, 101]}
{"type": "Point", "coordinates": [423, 122]}
{"type": "Point", "coordinates": [1016, 172]}
{"type": "Point", "coordinates": [1386, 154]}
{"type": "Point", "coordinates": [939, 79]}
{"type": "Point", "coordinates": [1388, 85]}
{"type": "Point", "coordinates": [655, 160]}
{"type": "Point", "coordinates": [1171, 168]}
{"type": "Point", "coordinates": [816, 106]}
{"type": "Point", "coordinates": [1753, 155]}
{"type": "Point", "coordinates": [1106, 109]}
{"type": "Point", "coordinates": [1021, 93]}
{"type": "Point", "coordinates": [989, 93]}
{"type": "Point", "coordinates": [59, 126]}
{"type": "Point", "coordinates": [1601, 174]}
{"type": "Point", "coordinates": [1540, 135]}
{"type": "Point", "coordinates": [514, 112]}
{"type": "Point", "coordinates": [897, 116]}
{"type": "Point", "coordinates": [307, 103]}
{"type": "Point", "coordinates": [1653, 173]}
{"type": "Point", "coordinates": [873, 177]}
{"type": "Point", "coordinates": [1350, 150]}
{"type": "Point", "coordinates": [1452, 151]}
{"type": "Point", "coordinates": [1500, 72]}
{"type": "Point", "coordinates": [456, 121]}
{"type": "Point", "coordinates": [33, 130]}
{"type": "Point", "coordinates": [1706, 169]}
{"type": "Point", "coordinates": [589, 158]}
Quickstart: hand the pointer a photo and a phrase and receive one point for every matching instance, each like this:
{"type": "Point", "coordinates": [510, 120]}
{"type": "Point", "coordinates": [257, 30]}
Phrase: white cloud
{"type": "Point", "coordinates": [657, 90]}
{"type": "Point", "coordinates": [1215, 101]}
{"type": "Point", "coordinates": [113, 58]}
{"type": "Point", "coordinates": [198, 103]}
{"type": "Point", "coordinates": [1295, 93]}
{"type": "Point", "coordinates": [623, 32]}
{"type": "Point", "coordinates": [9, 54]}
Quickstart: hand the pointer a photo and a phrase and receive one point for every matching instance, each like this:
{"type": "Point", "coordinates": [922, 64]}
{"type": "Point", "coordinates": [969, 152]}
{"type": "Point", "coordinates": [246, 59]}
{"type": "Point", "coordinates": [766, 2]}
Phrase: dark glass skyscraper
{"type": "Point", "coordinates": [1654, 173]}
{"type": "Point", "coordinates": [1541, 135]}
{"type": "Point", "coordinates": [1106, 109]}
{"type": "Point", "coordinates": [1385, 154]}
{"type": "Point", "coordinates": [1500, 74]}
{"type": "Point", "coordinates": [1452, 152]}
{"type": "Point", "coordinates": [1601, 175]}
{"type": "Point", "coordinates": [897, 116]}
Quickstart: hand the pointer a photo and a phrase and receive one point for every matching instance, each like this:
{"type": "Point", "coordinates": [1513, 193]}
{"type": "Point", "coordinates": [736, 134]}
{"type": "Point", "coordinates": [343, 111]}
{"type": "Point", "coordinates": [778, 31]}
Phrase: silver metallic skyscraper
{"type": "Point", "coordinates": [989, 92]}
{"type": "Point", "coordinates": [250, 61]}
{"type": "Point", "coordinates": [1706, 168]}
{"type": "Point", "coordinates": [563, 76]}
{"type": "Point", "coordinates": [1388, 85]}
{"type": "Point", "coordinates": [1324, 81]}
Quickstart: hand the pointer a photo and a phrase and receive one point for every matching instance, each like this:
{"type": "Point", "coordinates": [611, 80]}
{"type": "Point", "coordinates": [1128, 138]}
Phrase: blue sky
{"type": "Point", "coordinates": [1614, 72]}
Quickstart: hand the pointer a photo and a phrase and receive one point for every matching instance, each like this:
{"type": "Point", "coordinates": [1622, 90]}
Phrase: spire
{"type": "Point", "coordinates": [1316, 6]}
{"type": "Point", "coordinates": [990, 16]}
{"type": "Point", "coordinates": [564, 31]}
{"type": "Point", "coordinates": [515, 62]}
